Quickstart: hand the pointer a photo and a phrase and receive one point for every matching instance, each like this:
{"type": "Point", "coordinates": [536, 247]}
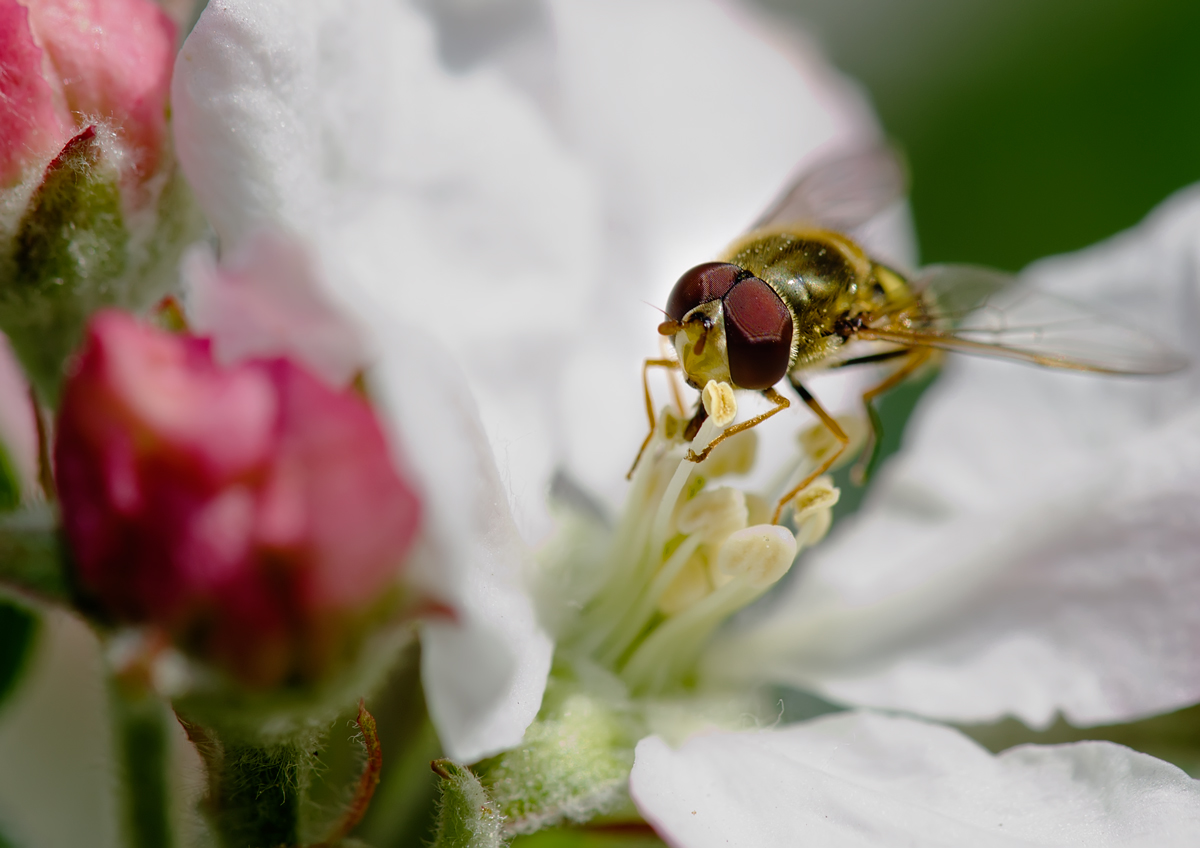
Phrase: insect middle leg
{"type": "Point", "coordinates": [669, 364]}
{"type": "Point", "coordinates": [781, 403]}
{"type": "Point", "coordinates": [833, 427]}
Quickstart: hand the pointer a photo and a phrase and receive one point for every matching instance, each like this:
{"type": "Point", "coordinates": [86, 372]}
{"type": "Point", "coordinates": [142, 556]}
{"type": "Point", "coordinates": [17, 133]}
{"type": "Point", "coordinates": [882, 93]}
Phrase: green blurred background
{"type": "Point", "coordinates": [1032, 127]}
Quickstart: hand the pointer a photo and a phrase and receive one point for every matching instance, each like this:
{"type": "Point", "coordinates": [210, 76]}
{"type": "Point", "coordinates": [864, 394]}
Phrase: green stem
{"type": "Point", "coordinates": [142, 742]}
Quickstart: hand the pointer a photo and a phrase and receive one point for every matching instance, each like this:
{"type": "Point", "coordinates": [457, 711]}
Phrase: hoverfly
{"type": "Point", "coordinates": [795, 295]}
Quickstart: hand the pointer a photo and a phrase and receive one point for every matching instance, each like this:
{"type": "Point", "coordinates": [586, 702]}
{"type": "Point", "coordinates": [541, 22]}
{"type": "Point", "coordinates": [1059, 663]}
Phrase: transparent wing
{"type": "Point", "coordinates": [842, 192]}
{"type": "Point", "coordinates": [978, 311]}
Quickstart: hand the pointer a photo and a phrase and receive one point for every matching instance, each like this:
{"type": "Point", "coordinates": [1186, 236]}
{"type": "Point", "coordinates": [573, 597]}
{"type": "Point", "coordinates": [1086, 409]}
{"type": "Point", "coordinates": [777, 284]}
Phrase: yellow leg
{"type": "Point", "coordinates": [781, 403]}
{"type": "Point", "coordinates": [915, 358]}
{"type": "Point", "coordinates": [646, 366]}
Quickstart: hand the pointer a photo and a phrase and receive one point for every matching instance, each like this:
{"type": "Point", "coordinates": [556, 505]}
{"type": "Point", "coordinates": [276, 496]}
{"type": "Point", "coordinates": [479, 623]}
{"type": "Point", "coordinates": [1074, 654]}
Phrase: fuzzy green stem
{"type": "Point", "coordinates": [142, 742]}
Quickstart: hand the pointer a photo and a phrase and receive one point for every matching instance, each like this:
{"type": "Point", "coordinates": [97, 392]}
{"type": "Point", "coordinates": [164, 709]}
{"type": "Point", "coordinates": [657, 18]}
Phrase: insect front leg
{"type": "Point", "coordinates": [781, 403]}
{"type": "Point", "coordinates": [832, 426]}
{"type": "Point", "coordinates": [670, 364]}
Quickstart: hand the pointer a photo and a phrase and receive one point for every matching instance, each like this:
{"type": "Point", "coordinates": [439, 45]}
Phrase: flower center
{"type": "Point", "coordinates": [642, 599]}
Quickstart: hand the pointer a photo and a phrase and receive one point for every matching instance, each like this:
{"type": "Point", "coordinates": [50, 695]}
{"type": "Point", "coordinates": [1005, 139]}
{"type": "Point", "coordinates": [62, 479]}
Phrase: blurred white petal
{"type": "Point", "coordinates": [56, 787]}
{"type": "Point", "coordinates": [268, 299]}
{"type": "Point", "coordinates": [858, 780]}
{"type": "Point", "coordinates": [1034, 548]}
{"type": "Point", "coordinates": [446, 200]}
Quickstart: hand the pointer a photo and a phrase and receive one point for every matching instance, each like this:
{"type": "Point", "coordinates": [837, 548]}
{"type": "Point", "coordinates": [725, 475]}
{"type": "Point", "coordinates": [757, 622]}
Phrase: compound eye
{"type": "Point", "coordinates": [701, 284]}
{"type": "Point", "coordinates": [758, 334]}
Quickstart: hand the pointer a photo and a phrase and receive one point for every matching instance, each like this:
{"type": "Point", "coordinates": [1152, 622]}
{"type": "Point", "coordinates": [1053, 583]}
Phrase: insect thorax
{"type": "Point", "coordinates": [816, 273]}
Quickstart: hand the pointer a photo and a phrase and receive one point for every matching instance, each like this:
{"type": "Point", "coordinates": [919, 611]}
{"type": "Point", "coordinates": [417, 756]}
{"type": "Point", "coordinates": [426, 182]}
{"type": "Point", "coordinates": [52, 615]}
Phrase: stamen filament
{"type": "Point", "coordinates": [638, 616]}
{"type": "Point", "coordinates": [674, 645]}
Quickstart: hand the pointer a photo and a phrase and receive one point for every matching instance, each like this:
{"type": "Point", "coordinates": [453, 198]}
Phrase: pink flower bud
{"type": "Point", "coordinates": [251, 511]}
{"type": "Point", "coordinates": [65, 64]}
{"type": "Point", "coordinates": [33, 124]}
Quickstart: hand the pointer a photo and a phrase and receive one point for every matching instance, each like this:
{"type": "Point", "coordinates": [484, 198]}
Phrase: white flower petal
{"type": "Point", "coordinates": [860, 779]}
{"type": "Point", "coordinates": [446, 200]}
{"type": "Point", "coordinates": [243, 97]}
{"type": "Point", "coordinates": [1034, 549]}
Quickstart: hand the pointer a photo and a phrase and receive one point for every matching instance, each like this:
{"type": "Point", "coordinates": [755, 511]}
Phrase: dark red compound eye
{"type": "Point", "coordinates": [701, 284]}
{"type": "Point", "coordinates": [758, 334]}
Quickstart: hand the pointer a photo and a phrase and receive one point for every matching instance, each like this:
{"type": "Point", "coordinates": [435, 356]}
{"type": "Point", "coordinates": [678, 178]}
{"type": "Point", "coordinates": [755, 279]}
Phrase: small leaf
{"type": "Point", "coordinates": [18, 634]}
{"type": "Point", "coordinates": [467, 816]}
{"type": "Point", "coordinates": [70, 249]}
{"type": "Point", "coordinates": [32, 555]}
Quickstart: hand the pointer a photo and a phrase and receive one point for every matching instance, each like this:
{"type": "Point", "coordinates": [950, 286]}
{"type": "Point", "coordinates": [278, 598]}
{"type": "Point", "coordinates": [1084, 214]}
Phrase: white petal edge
{"type": "Point", "coordinates": [855, 780]}
{"type": "Point", "coordinates": [1033, 549]}
{"type": "Point", "coordinates": [485, 672]}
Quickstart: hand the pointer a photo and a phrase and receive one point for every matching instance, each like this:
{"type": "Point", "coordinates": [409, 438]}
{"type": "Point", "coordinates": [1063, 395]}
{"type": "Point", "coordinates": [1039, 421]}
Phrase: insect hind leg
{"type": "Point", "coordinates": [865, 467]}
{"type": "Point", "coordinates": [833, 427]}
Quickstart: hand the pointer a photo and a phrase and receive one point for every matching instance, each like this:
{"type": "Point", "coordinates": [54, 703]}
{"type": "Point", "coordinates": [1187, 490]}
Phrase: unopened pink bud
{"type": "Point", "coordinates": [33, 122]}
{"type": "Point", "coordinates": [66, 64]}
{"type": "Point", "coordinates": [251, 511]}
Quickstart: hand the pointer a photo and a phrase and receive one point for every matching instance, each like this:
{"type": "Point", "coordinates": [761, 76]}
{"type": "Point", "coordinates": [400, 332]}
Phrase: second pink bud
{"type": "Point", "coordinates": [251, 511]}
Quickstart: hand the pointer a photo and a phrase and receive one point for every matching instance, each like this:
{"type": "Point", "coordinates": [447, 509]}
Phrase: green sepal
{"type": "Point", "coordinates": [572, 765]}
{"type": "Point", "coordinates": [81, 245]}
{"type": "Point", "coordinates": [467, 815]}
{"type": "Point", "coordinates": [33, 557]}
{"type": "Point", "coordinates": [70, 246]}
{"type": "Point", "coordinates": [266, 753]}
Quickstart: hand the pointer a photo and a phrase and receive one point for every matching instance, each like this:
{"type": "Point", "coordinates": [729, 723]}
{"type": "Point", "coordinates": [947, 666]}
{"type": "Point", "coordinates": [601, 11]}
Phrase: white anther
{"type": "Point", "coordinates": [760, 555]}
{"type": "Point", "coordinates": [818, 442]}
{"type": "Point", "coordinates": [813, 506]}
{"type": "Point", "coordinates": [713, 514]}
{"type": "Point", "coordinates": [758, 509]}
{"type": "Point", "coordinates": [735, 455]}
{"type": "Point", "coordinates": [689, 586]}
{"type": "Point", "coordinates": [813, 528]}
{"type": "Point", "coordinates": [669, 426]}
{"type": "Point", "coordinates": [818, 495]}
{"type": "Point", "coordinates": [719, 403]}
